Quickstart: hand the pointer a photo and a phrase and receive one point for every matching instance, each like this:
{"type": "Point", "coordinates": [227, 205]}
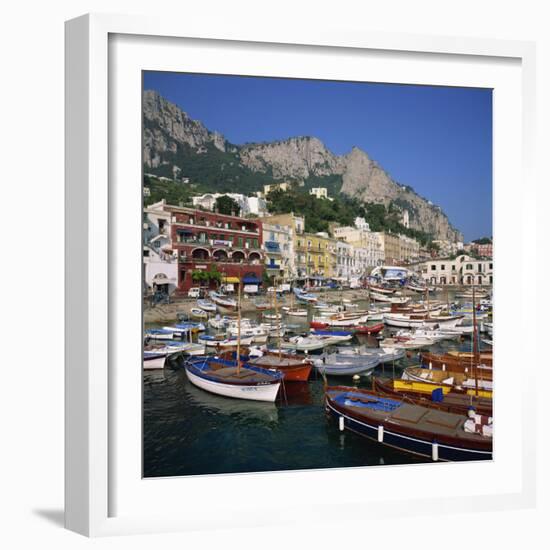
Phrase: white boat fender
{"type": "Point", "coordinates": [435, 451]}
{"type": "Point", "coordinates": [341, 423]}
{"type": "Point", "coordinates": [444, 367]}
{"type": "Point", "coordinates": [430, 365]}
{"type": "Point", "coordinates": [380, 434]}
{"type": "Point", "coordinates": [356, 377]}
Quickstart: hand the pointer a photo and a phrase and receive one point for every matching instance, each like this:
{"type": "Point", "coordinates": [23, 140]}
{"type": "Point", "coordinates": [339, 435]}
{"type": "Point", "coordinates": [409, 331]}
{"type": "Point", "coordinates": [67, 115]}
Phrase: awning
{"type": "Point", "coordinates": [158, 237]}
{"type": "Point", "coordinates": [231, 280]}
{"type": "Point", "coordinates": [251, 280]}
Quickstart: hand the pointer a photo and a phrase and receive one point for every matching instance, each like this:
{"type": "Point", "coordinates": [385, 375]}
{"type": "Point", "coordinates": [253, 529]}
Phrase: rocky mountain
{"type": "Point", "coordinates": [176, 145]}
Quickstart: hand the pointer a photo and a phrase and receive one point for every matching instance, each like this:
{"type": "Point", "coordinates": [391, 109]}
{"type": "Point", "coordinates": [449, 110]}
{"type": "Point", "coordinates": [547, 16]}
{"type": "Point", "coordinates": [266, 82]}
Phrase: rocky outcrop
{"type": "Point", "coordinates": [167, 127]}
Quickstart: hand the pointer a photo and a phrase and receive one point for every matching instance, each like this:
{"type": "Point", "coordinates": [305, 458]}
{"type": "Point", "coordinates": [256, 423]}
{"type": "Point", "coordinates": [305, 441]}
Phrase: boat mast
{"type": "Point", "coordinates": [277, 325]}
{"type": "Point", "coordinates": [239, 325]}
{"type": "Point", "coordinates": [476, 343]}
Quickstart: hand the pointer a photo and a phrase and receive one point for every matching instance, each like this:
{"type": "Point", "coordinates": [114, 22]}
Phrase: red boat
{"type": "Point", "coordinates": [317, 324]}
{"type": "Point", "coordinates": [369, 329]}
{"type": "Point", "coordinates": [294, 369]}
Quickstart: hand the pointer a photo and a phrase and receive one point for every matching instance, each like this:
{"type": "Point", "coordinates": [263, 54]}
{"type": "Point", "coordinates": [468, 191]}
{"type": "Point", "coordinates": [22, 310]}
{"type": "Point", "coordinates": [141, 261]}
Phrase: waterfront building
{"type": "Point", "coordinates": [483, 250]}
{"type": "Point", "coordinates": [409, 249]}
{"type": "Point", "coordinates": [462, 270]}
{"type": "Point", "coordinates": [392, 248]}
{"type": "Point", "coordinates": [296, 225]}
{"type": "Point", "coordinates": [247, 205]}
{"type": "Point", "coordinates": [361, 262]}
{"type": "Point", "coordinates": [345, 260]}
{"type": "Point", "coordinates": [360, 236]}
{"type": "Point", "coordinates": [321, 255]}
{"type": "Point", "coordinates": [279, 250]}
{"type": "Point", "coordinates": [199, 240]}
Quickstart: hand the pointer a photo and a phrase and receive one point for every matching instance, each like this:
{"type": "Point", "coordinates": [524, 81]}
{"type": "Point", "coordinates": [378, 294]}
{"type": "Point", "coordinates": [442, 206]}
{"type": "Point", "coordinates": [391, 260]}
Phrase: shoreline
{"type": "Point", "coordinates": [168, 312]}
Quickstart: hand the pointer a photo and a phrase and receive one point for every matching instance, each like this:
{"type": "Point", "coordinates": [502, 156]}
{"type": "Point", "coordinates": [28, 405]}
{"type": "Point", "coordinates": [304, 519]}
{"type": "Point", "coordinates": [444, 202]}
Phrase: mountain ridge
{"type": "Point", "coordinates": [177, 145]}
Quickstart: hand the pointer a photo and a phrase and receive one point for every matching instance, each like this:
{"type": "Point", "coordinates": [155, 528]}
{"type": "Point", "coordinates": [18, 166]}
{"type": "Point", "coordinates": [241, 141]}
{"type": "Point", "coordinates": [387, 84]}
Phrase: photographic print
{"type": "Point", "coordinates": [317, 274]}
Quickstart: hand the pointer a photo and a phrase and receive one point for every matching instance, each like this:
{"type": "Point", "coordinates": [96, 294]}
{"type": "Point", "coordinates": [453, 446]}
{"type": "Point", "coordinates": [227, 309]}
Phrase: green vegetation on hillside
{"type": "Point", "coordinates": [483, 240]}
{"type": "Point", "coordinates": [320, 213]}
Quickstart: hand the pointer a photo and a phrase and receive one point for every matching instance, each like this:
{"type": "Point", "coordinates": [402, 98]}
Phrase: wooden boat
{"type": "Point", "coordinates": [340, 365]}
{"type": "Point", "coordinates": [262, 306]}
{"type": "Point", "coordinates": [381, 289]}
{"type": "Point", "coordinates": [293, 367]}
{"type": "Point", "coordinates": [450, 359]}
{"type": "Point", "coordinates": [207, 305]}
{"type": "Point", "coordinates": [459, 381]}
{"type": "Point", "coordinates": [443, 398]}
{"type": "Point", "coordinates": [309, 343]}
{"type": "Point", "coordinates": [384, 298]}
{"type": "Point", "coordinates": [408, 427]}
{"type": "Point", "coordinates": [231, 379]}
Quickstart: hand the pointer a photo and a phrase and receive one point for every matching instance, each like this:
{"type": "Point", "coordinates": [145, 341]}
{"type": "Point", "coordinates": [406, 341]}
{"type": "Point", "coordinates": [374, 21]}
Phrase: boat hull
{"type": "Point", "coordinates": [415, 445]}
{"type": "Point", "coordinates": [267, 392]}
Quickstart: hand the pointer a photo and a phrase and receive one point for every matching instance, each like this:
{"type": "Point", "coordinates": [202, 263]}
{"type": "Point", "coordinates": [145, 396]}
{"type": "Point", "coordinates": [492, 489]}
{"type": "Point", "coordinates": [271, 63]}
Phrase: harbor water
{"type": "Point", "coordinates": [188, 431]}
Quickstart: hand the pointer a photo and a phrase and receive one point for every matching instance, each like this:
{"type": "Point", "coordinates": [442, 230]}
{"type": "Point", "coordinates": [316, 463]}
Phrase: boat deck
{"type": "Point", "coordinates": [403, 415]}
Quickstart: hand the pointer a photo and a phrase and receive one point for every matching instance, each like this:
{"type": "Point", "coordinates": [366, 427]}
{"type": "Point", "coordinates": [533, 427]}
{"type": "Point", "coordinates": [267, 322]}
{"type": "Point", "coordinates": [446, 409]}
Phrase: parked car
{"type": "Point", "coordinates": [194, 292]}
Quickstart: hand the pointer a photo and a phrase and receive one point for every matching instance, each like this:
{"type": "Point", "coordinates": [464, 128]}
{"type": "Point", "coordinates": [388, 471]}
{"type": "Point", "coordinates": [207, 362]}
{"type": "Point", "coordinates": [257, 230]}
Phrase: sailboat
{"type": "Point", "coordinates": [233, 378]}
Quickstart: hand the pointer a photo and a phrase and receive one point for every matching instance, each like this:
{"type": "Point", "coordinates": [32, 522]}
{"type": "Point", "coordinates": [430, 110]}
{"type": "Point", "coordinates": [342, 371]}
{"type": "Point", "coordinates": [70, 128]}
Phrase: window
{"type": "Point", "coordinates": [442, 267]}
{"type": "Point", "coordinates": [469, 266]}
{"type": "Point", "coordinates": [491, 267]}
{"type": "Point", "coordinates": [453, 268]}
{"type": "Point", "coordinates": [433, 267]}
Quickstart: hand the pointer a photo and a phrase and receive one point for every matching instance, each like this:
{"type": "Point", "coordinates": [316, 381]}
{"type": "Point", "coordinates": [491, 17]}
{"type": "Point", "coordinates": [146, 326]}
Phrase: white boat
{"type": "Point", "coordinates": [159, 334]}
{"type": "Point", "coordinates": [274, 330]}
{"type": "Point", "coordinates": [384, 298]}
{"type": "Point", "coordinates": [272, 316]}
{"type": "Point", "coordinates": [199, 313]}
{"type": "Point", "coordinates": [220, 322]}
{"type": "Point", "coordinates": [410, 343]}
{"type": "Point", "coordinates": [294, 312]}
{"type": "Point", "coordinates": [435, 335]}
{"type": "Point", "coordinates": [308, 343]}
{"type": "Point", "coordinates": [420, 321]}
{"type": "Point", "coordinates": [222, 341]}
{"type": "Point", "coordinates": [223, 301]}
{"type": "Point", "coordinates": [259, 335]}
{"type": "Point", "coordinates": [342, 366]}
{"type": "Point", "coordinates": [183, 329]}
{"type": "Point", "coordinates": [385, 355]}
{"type": "Point", "coordinates": [304, 296]}
{"type": "Point", "coordinates": [153, 360]}
{"type": "Point", "coordinates": [231, 380]}
{"type": "Point", "coordinates": [206, 305]}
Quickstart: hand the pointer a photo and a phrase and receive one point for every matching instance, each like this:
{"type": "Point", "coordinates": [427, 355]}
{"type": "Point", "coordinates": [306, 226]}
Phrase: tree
{"type": "Point", "coordinates": [227, 205]}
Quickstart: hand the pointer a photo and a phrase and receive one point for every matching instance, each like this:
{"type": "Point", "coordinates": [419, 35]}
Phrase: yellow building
{"type": "Point", "coordinates": [321, 254]}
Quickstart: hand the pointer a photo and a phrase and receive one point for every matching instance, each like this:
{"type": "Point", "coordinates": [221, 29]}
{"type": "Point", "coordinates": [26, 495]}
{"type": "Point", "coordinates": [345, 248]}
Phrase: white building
{"type": "Point", "coordinates": [345, 260]}
{"type": "Point", "coordinates": [320, 193]}
{"type": "Point", "coordinates": [160, 262]}
{"type": "Point", "coordinates": [463, 270]}
{"type": "Point", "coordinates": [279, 250]}
{"type": "Point", "coordinates": [247, 205]}
{"type": "Point", "coordinates": [360, 236]}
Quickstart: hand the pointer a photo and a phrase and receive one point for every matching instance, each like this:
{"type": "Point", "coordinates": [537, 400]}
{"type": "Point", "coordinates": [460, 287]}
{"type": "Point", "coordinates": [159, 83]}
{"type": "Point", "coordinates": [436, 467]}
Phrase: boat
{"type": "Point", "coordinates": [308, 343]}
{"type": "Point", "coordinates": [220, 322]}
{"type": "Point", "coordinates": [223, 301]}
{"type": "Point", "coordinates": [407, 343]}
{"type": "Point", "coordinates": [294, 312]}
{"type": "Point", "coordinates": [409, 427]}
{"type": "Point", "coordinates": [304, 296]}
{"type": "Point", "coordinates": [337, 365]}
{"type": "Point", "coordinates": [439, 361]}
{"type": "Point", "coordinates": [385, 355]}
{"type": "Point", "coordinates": [233, 379]}
{"type": "Point", "coordinates": [222, 341]}
{"type": "Point", "coordinates": [369, 329]}
{"type": "Point", "coordinates": [153, 360]}
{"type": "Point", "coordinates": [206, 305]}
{"type": "Point", "coordinates": [293, 367]}
{"type": "Point", "coordinates": [381, 289]}
{"type": "Point", "coordinates": [384, 298]}
{"type": "Point", "coordinates": [262, 306]}
{"type": "Point", "coordinates": [465, 382]}
{"type": "Point", "coordinates": [272, 316]}
{"type": "Point", "coordinates": [259, 334]}
{"type": "Point", "coordinates": [340, 335]}
{"type": "Point", "coordinates": [440, 398]}
{"type": "Point", "coordinates": [199, 313]}
{"type": "Point", "coordinates": [421, 320]}
{"type": "Point", "coordinates": [159, 334]}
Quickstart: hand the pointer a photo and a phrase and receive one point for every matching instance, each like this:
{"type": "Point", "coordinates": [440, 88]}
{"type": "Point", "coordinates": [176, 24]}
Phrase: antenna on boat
{"type": "Point", "coordinates": [239, 324]}
{"type": "Point", "coordinates": [476, 343]}
{"type": "Point", "coordinates": [277, 324]}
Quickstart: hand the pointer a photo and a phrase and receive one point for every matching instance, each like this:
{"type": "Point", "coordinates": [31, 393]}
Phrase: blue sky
{"type": "Point", "coordinates": [438, 140]}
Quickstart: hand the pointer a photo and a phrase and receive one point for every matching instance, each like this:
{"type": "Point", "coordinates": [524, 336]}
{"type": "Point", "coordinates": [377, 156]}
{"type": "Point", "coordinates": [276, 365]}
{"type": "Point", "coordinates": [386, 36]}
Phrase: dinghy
{"type": "Point", "coordinates": [207, 305]}
{"type": "Point", "coordinates": [335, 365]}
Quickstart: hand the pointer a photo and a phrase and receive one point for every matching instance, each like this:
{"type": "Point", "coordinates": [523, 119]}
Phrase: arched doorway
{"type": "Point", "coordinates": [254, 258]}
{"type": "Point", "coordinates": [220, 255]}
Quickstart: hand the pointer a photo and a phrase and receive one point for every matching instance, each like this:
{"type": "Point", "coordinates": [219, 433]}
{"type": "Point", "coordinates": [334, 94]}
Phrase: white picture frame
{"type": "Point", "coordinates": [99, 499]}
